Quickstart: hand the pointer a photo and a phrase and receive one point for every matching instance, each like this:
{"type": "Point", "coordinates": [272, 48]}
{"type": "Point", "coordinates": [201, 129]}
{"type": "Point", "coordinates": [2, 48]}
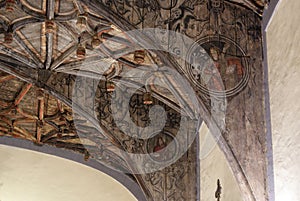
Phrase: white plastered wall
{"type": "Point", "coordinates": [283, 49]}
{"type": "Point", "coordinates": [32, 176]}
{"type": "Point", "coordinates": [214, 166]}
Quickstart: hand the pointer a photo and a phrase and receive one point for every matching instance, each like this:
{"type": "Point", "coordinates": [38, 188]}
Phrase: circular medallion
{"type": "Point", "coordinates": [218, 66]}
{"type": "Point", "coordinates": [162, 147]}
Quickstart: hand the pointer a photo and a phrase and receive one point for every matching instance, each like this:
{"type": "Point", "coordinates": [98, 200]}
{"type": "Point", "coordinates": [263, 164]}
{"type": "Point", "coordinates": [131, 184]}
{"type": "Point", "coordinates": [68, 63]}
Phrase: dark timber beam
{"type": "Point", "coordinates": [21, 39]}
{"type": "Point", "coordinates": [63, 56]}
{"type": "Point", "coordinates": [16, 56]}
{"type": "Point", "coordinates": [49, 34]}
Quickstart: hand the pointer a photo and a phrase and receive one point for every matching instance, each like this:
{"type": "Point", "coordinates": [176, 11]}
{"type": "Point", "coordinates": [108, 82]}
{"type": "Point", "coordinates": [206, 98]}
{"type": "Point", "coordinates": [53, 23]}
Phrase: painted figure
{"type": "Point", "coordinates": [160, 145]}
{"type": "Point", "coordinates": [229, 70]}
{"type": "Point", "coordinates": [234, 72]}
{"type": "Point", "coordinates": [213, 71]}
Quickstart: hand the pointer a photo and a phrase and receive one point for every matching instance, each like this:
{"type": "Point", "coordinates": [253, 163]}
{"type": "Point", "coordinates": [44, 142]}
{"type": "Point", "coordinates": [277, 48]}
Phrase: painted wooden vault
{"type": "Point", "coordinates": [46, 44]}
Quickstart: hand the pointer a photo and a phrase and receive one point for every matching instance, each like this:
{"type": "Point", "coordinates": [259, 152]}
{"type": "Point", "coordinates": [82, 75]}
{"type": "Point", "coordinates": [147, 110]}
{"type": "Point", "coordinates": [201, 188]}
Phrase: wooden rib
{"type": "Point", "coordinates": [24, 132]}
{"type": "Point", "coordinates": [15, 55]}
{"type": "Point", "coordinates": [6, 110]}
{"type": "Point", "coordinates": [38, 133]}
{"type": "Point", "coordinates": [49, 36]}
{"type": "Point", "coordinates": [22, 40]}
{"type": "Point", "coordinates": [3, 129]}
{"type": "Point", "coordinates": [23, 92]}
{"type": "Point", "coordinates": [23, 120]}
{"type": "Point", "coordinates": [49, 48]}
{"type": "Point", "coordinates": [18, 23]}
{"type": "Point", "coordinates": [61, 58]}
{"type": "Point", "coordinates": [49, 135]}
{"type": "Point", "coordinates": [60, 106]}
{"type": "Point", "coordinates": [29, 116]}
{"type": "Point", "coordinates": [117, 39]}
{"type": "Point", "coordinates": [77, 64]}
{"type": "Point", "coordinates": [79, 7]}
{"type": "Point", "coordinates": [52, 117]}
{"type": "Point", "coordinates": [41, 105]}
{"type": "Point", "coordinates": [30, 8]}
{"type": "Point", "coordinates": [50, 9]}
{"type": "Point", "coordinates": [41, 109]}
{"type": "Point", "coordinates": [6, 120]}
{"type": "Point", "coordinates": [6, 78]}
{"type": "Point", "coordinates": [5, 104]}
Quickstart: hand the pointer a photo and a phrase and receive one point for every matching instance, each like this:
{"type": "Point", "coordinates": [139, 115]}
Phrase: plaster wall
{"type": "Point", "coordinates": [213, 166]}
{"type": "Point", "coordinates": [32, 176]}
{"type": "Point", "coordinates": [283, 36]}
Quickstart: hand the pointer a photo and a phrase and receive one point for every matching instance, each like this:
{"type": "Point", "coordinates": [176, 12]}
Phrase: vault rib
{"type": "Point", "coordinates": [26, 87]}
{"type": "Point", "coordinates": [23, 42]}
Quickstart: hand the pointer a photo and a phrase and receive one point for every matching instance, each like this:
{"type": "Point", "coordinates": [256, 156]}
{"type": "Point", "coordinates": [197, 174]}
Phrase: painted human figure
{"type": "Point", "coordinates": [212, 72]}
{"type": "Point", "coordinates": [192, 27]}
{"type": "Point", "coordinates": [160, 151]}
{"type": "Point", "coordinates": [160, 145]}
{"type": "Point", "coordinates": [229, 70]}
{"type": "Point", "coordinates": [234, 72]}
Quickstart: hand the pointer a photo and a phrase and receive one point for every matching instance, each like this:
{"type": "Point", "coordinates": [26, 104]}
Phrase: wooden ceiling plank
{"type": "Point", "coordinates": [48, 135]}
{"type": "Point", "coordinates": [6, 120]}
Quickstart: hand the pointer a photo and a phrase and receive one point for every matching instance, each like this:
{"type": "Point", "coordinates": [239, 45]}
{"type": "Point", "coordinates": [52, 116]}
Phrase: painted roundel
{"type": "Point", "coordinates": [218, 66]}
{"type": "Point", "coordinates": [162, 147]}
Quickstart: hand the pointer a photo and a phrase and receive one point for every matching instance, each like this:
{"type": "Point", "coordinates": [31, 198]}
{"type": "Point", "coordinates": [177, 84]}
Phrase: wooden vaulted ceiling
{"type": "Point", "coordinates": [45, 44]}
